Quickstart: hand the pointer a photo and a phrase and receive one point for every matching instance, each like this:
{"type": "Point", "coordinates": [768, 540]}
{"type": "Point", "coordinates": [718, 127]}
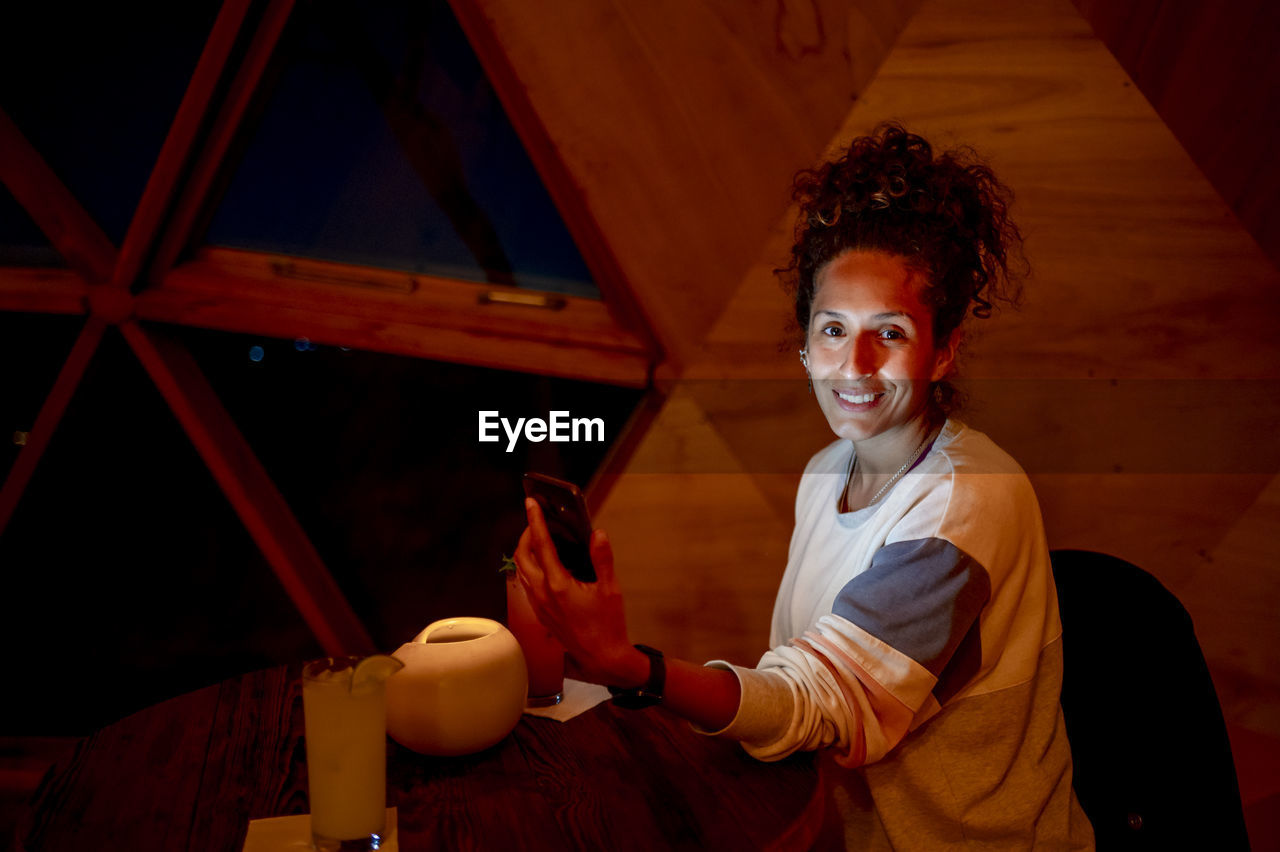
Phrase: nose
{"type": "Point", "coordinates": [864, 356]}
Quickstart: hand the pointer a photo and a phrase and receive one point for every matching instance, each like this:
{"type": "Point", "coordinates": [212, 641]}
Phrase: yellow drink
{"type": "Point", "coordinates": [346, 732]}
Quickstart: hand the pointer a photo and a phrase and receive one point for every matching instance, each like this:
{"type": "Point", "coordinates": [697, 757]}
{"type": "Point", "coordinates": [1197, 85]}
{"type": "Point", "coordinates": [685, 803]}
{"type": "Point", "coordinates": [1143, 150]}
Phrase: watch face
{"type": "Point", "coordinates": [635, 699]}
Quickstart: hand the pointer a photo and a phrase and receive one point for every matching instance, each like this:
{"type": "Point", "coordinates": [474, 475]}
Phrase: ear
{"type": "Point", "coordinates": [945, 356]}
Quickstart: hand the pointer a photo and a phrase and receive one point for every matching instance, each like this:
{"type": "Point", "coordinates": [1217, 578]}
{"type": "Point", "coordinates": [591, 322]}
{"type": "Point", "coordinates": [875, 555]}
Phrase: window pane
{"type": "Point", "coordinates": [94, 88]}
{"type": "Point", "coordinates": [21, 242]}
{"type": "Point", "coordinates": [384, 144]}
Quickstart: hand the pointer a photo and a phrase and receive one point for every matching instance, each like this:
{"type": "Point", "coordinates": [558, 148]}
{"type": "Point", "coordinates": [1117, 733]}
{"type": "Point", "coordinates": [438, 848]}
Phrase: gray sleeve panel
{"type": "Point", "coordinates": [921, 597]}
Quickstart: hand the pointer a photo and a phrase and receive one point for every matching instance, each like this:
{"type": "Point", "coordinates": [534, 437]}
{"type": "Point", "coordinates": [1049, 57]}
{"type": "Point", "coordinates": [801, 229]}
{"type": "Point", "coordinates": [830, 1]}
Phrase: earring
{"type": "Point", "coordinates": [804, 359]}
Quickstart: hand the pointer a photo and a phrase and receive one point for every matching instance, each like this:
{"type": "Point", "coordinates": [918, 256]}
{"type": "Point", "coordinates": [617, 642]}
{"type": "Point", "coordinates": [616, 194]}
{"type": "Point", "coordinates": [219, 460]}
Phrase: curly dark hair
{"type": "Point", "coordinates": [945, 215]}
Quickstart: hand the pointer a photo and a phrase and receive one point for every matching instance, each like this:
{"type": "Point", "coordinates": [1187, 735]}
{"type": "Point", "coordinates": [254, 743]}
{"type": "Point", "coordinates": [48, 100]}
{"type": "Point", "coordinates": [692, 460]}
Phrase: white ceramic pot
{"type": "Point", "coordinates": [462, 688]}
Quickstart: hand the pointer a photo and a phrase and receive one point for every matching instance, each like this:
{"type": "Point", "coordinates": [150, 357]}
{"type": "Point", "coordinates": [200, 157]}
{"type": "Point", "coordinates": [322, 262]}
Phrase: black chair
{"type": "Point", "coordinates": [1153, 766]}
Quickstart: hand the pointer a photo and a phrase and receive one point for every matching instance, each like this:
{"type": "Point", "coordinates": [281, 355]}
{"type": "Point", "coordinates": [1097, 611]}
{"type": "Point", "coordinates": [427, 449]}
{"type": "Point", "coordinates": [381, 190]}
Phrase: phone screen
{"type": "Point", "coordinates": [567, 520]}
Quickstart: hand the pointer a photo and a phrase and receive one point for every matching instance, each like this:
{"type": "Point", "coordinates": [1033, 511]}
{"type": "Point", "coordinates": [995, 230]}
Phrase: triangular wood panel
{"type": "Point", "coordinates": [1210, 70]}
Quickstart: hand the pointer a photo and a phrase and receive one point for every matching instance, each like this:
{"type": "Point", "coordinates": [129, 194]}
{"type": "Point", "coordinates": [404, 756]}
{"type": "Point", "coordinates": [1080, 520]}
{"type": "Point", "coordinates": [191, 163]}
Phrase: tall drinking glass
{"type": "Point", "coordinates": [543, 654]}
{"type": "Point", "coordinates": [345, 708]}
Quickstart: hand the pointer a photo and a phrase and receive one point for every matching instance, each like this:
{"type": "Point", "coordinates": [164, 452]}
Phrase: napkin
{"type": "Point", "coordinates": [578, 698]}
{"type": "Point", "coordinates": [290, 833]}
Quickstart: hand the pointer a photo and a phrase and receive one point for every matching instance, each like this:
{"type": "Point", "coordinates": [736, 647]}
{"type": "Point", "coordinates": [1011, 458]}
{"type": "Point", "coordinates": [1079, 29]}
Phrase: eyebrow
{"type": "Point", "coordinates": [880, 317]}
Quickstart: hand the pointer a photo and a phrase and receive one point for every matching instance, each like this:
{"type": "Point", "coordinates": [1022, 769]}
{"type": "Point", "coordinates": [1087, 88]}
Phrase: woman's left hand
{"type": "Point", "coordinates": [587, 618]}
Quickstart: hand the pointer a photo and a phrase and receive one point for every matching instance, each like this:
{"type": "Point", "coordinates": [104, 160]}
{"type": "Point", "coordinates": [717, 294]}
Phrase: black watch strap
{"type": "Point", "coordinates": [651, 692]}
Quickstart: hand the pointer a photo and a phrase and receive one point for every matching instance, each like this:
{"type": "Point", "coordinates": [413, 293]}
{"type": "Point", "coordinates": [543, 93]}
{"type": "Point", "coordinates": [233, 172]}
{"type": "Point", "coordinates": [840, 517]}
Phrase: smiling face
{"type": "Point", "coordinates": [871, 349]}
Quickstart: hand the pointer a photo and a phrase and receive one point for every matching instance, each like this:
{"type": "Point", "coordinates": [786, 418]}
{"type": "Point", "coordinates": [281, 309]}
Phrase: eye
{"type": "Point", "coordinates": [832, 331]}
{"type": "Point", "coordinates": [891, 334]}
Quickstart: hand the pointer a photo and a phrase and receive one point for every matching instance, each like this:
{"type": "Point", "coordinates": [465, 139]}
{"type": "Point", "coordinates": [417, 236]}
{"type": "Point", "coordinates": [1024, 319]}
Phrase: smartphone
{"type": "Point", "coordinates": [567, 520]}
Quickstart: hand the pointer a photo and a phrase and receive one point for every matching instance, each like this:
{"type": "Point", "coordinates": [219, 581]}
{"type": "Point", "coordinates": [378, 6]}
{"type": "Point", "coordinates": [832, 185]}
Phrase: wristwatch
{"type": "Point", "coordinates": [651, 692]}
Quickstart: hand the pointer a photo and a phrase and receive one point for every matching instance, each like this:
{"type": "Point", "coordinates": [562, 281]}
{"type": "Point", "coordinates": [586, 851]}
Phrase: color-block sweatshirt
{"type": "Point", "coordinates": [918, 642]}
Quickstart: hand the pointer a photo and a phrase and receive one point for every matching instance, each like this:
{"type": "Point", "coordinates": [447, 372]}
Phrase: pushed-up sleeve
{"type": "Point", "coordinates": [900, 632]}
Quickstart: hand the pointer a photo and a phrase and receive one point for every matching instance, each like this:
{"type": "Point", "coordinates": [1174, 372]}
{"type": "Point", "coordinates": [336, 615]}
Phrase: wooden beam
{"type": "Point", "coordinates": [52, 206]}
{"type": "Point", "coordinates": [391, 295]}
{"type": "Point", "coordinates": [401, 313]}
{"type": "Point", "coordinates": [399, 338]}
{"type": "Point", "coordinates": [43, 291]}
{"type": "Point", "coordinates": [195, 194]}
{"type": "Point", "coordinates": [49, 417]}
{"type": "Point", "coordinates": [179, 143]}
{"type": "Point", "coordinates": [253, 495]}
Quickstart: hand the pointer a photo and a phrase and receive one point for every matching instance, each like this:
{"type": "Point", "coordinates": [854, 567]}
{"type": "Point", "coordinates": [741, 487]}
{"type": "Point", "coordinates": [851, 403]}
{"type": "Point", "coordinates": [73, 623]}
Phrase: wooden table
{"type": "Point", "coordinates": [190, 773]}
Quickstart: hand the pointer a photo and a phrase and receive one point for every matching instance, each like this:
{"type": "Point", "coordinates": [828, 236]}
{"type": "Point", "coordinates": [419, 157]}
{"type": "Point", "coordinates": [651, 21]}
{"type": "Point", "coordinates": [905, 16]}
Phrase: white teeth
{"type": "Point", "coordinates": [856, 399]}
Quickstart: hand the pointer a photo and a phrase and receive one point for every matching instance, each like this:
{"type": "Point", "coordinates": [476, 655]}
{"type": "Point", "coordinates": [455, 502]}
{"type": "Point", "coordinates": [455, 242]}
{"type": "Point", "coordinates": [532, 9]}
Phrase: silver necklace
{"type": "Point", "coordinates": [905, 466]}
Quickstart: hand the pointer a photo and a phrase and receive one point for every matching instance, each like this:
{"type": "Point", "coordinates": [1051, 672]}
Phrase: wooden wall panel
{"type": "Point", "coordinates": [1137, 383]}
{"type": "Point", "coordinates": [1210, 70]}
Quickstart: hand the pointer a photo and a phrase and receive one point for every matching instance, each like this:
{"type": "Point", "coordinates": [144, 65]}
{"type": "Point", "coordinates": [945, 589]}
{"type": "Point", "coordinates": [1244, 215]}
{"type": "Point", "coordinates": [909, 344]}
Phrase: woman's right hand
{"type": "Point", "coordinates": [587, 618]}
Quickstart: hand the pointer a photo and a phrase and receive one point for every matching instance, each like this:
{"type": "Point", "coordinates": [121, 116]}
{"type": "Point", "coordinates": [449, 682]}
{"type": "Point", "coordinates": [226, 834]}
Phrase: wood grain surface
{"type": "Point", "coordinates": [191, 772]}
{"type": "Point", "coordinates": [1137, 385]}
{"type": "Point", "coordinates": [1210, 71]}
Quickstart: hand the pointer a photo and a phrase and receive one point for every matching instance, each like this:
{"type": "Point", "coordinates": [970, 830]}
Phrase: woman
{"type": "Point", "coordinates": [915, 635]}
